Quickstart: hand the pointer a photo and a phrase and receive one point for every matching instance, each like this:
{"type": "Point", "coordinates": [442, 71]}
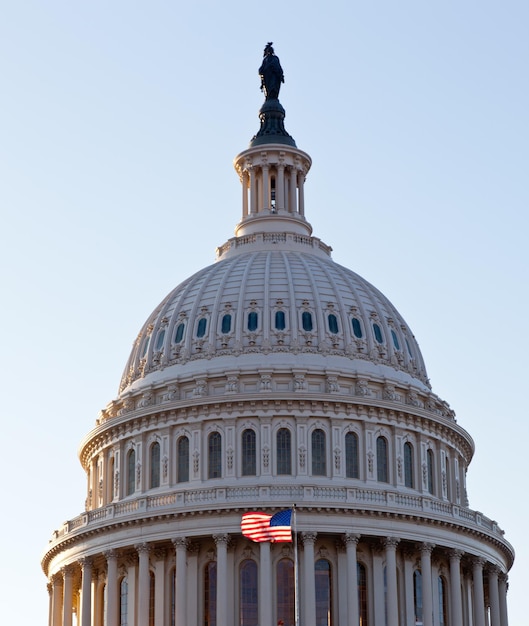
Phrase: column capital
{"type": "Point", "coordinates": [493, 569]}
{"type": "Point", "coordinates": [180, 542]}
{"type": "Point", "coordinates": [351, 539]}
{"type": "Point", "coordinates": [477, 562]}
{"type": "Point", "coordinates": [455, 554]}
{"type": "Point", "coordinates": [391, 542]}
{"type": "Point", "coordinates": [110, 555]}
{"type": "Point", "coordinates": [221, 539]}
{"type": "Point", "coordinates": [142, 548]}
{"type": "Point", "coordinates": [308, 537]}
{"type": "Point", "coordinates": [426, 548]}
{"type": "Point", "coordinates": [67, 570]}
{"type": "Point", "coordinates": [86, 563]}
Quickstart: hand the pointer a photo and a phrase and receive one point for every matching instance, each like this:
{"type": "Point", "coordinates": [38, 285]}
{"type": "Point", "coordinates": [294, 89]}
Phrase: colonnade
{"type": "Point", "coordinates": [476, 593]}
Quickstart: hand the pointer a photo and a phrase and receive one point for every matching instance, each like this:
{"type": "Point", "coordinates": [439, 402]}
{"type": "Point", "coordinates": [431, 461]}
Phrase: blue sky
{"type": "Point", "coordinates": [119, 122]}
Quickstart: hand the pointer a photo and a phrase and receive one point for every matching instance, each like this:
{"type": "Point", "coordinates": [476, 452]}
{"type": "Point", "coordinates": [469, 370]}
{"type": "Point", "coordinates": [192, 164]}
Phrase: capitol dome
{"type": "Point", "coordinates": [277, 379]}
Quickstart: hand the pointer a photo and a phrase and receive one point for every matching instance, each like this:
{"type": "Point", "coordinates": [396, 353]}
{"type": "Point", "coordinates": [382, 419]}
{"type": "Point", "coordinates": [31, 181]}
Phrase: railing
{"type": "Point", "coordinates": [279, 495]}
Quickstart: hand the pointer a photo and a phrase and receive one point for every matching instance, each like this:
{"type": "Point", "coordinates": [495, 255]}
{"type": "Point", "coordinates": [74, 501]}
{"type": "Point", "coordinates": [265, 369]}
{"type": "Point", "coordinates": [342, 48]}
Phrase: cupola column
{"type": "Point", "coordinates": [244, 180]}
{"type": "Point", "coordinates": [280, 185]}
{"type": "Point", "coordinates": [112, 587]}
{"type": "Point", "coordinates": [265, 199]}
{"type": "Point", "coordinates": [67, 607]}
{"type": "Point", "coordinates": [351, 541]}
{"type": "Point", "coordinates": [456, 604]}
{"type": "Point", "coordinates": [57, 587]}
{"type": "Point", "coordinates": [503, 599]}
{"type": "Point", "coordinates": [426, 577]}
{"type": "Point", "coordinates": [494, 597]}
{"type": "Point", "coordinates": [253, 191]}
{"type": "Point", "coordinates": [143, 583]}
{"type": "Point", "coordinates": [180, 544]}
{"type": "Point", "coordinates": [309, 617]}
{"type": "Point", "coordinates": [391, 544]}
{"type": "Point", "coordinates": [221, 542]}
{"type": "Point", "coordinates": [86, 591]}
{"type": "Point", "coordinates": [479, 594]}
{"type": "Point", "coordinates": [265, 584]}
{"type": "Point", "coordinates": [301, 193]}
{"type": "Point", "coordinates": [292, 208]}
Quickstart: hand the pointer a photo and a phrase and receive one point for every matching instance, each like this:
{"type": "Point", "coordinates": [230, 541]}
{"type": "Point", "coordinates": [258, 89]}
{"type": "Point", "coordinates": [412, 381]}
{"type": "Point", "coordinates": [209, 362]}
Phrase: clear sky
{"type": "Point", "coordinates": [118, 125]}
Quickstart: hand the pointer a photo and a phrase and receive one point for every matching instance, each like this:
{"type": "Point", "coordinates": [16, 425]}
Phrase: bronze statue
{"type": "Point", "coordinates": [271, 73]}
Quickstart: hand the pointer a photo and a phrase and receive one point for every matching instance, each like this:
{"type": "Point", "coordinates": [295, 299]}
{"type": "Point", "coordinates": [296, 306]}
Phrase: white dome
{"type": "Point", "coordinates": [275, 302]}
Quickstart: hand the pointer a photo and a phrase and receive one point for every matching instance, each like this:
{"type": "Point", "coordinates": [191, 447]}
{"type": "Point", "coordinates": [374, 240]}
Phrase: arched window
{"type": "Point", "coordinates": [378, 333]}
{"type": "Point", "coordinates": [443, 603]}
{"type": "Point", "coordinates": [201, 327]}
{"type": "Point", "coordinates": [144, 347]}
{"type": "Point", "coordinates": [182, 459]}
{"type": "Point", "coordinates": [214, 455]}
{"type": "Point", "coordinates": [179, 333]}
{"type": "Point", "coordinates": [382, 460]}
{"type": "Point", "coordinates": [284, 451]}
{"type": "Point", "coordinates": [319, 465]}
{"type": "Point", "coordinates": [155, 465]}
{"type": "Point", "coordinates": [322, 572]}
{"type": "Point", "coordinates": [248, 453]}
{"type": "Point", "coordinates": [123, 602]}
{"type": "Point", "coordinates": [210, 594]}
{"type": "Point", "coordinates": [151, 598]}
{"type": "Point", "coordinates": [285, 592]}
{"type": "Point", "coordinates": [110, 481]}
{"type": "Point", "coordinates": [362, 593]}
{"type": "Point", "coordinates": [395, 340]}
{"type": "Point", "coordinates": [351, 456]}
{"type": "Point", "coordinates": [430, 468]}
{"type": "Point", "coordinates": [226, 324]}
{"type": "Point", "coordinates": [280, 320]}
{"type": "Point", "coordinates": [253, 320]}
{"type": "Point", "coordinates": [131, 472]}
{"type": "Point", "coordinates": [357, 328]}
{"type": "Point", "coordinates": [159, 340]}
{"type": "Point", "coordinates": [447, 478]}
{"type": "Point", "coordinates": [249, 594]}
{"type": "Point", "coordinates": [306, 321]}
{"type": "Point", "coordinates": [408, 465]}
{"type": "Point", "coordinates": [332, 320]}
{"type": "Point", "coordinates": [417, 596]}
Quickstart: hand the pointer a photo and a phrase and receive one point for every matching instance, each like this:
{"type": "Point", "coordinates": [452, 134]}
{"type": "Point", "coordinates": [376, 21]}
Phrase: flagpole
{"type": "Point", "coordinates": [296, 577]}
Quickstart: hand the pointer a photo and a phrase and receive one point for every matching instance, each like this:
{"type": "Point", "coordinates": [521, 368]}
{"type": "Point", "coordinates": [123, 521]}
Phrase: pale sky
{"type": "Point", "coordinates": [119, 122]}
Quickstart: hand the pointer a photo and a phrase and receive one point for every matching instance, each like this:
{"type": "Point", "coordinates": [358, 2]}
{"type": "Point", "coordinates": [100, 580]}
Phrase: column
{"type": "Point", "coordinates": [132, 563]}
{"type": "Point", "coordinates": [67, 606]}
{"type": "Point", "coordinates": [144, 581]}
{"type": "Point", "coordinates": [49, 586]}
{"type": "Point", "coordinates": [280, 186]}
{"type": "Point", "coordinates": [159, 587]}
{"type": "Point", "coordinates": [409, 558]}
{"type": "Point", "coordinates": [309, 604]}
{"type": "Point", "coordinates": [180, 544]}
{"type": "Point", "coordinates": [379, 607]}
{"type": "Point", "coordinates": [494, 597]}
{"type": "Point", "coordinates": [57, 600]}
{"type": "Point", "coordinates": [221, 541]}
{"type": "Point", "coordinates": [426, 575]}
{"type": "Point", "coordinates": [293, 190]}
{"type": "Point", "coordinates": [86, 591]}
{"type": "Point", "coordinates": [503, 586]}
{"type": "Point", "coordinates": [244, 182]}
{"type": "Point", "coordinates": [456, 604]}
{"type": "Point", "coordinates": [301, 183]}
{"type": "Point", "coordinates": [479, 593]}
{"type": "Point", "coordinates": [266, 185]}
{"type": "Point", "coordinates": [112, 587]}
{"type": "Point", "coordinates": [253, 191]}
{"type": "Point", "coordinates": [265, 584]}
{"type": "Point", "coordinates": [351, 541]}
{"type": "Point", "coordinates": [391, 544]}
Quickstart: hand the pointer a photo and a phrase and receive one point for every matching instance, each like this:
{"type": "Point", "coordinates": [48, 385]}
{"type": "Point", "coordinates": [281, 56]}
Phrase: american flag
{"type": "Point", "coordinates": [263, 527]}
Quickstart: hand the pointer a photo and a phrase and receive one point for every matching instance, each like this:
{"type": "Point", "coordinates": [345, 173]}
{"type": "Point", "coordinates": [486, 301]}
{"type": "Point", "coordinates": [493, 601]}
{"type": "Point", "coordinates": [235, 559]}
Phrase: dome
{"type": "Point", "coordinates": [277, 300]}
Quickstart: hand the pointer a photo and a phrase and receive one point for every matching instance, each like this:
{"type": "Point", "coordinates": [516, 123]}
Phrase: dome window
{"type": "Point", "coordinates": [409, 349]}
{"type": "Point", "coordinates": [332, 320]}
{"type": "Point", "coordinates": [378, 333]}
{"type": "Point", "coordinates": [226, 324]}
{"type": "Point", "coordinates": [253, 320]}
{"type": "Point", "coordinates": [144, 347]}
{"type": "Point", "coordinates": [280, 320]}
{"type": "Point", "coordinates": [395, 340]}
{"type": "Point", "coordinates": [179, 334]}
{"type": "Point", "coordinates": [357, 328]}
{"type": "Point", "coordinates": [306, 321]}
{"type": "Point", "coordinates": [201, 327]}
{"type": "Point", "coordinates": [159, 340]}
